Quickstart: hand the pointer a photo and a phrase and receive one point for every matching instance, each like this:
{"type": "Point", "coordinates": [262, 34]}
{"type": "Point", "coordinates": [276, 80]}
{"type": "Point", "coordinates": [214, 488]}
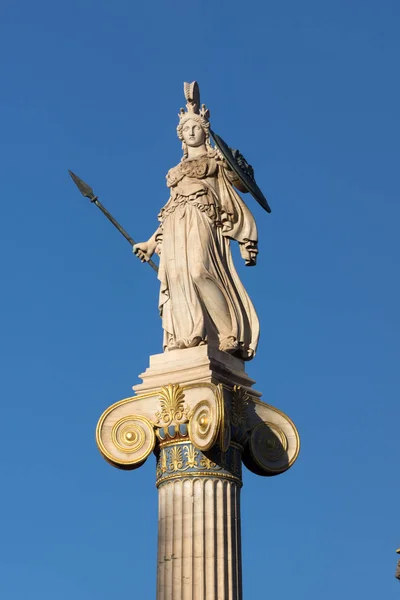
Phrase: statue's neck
{"type": "Point", "coordinates": [196, 152]}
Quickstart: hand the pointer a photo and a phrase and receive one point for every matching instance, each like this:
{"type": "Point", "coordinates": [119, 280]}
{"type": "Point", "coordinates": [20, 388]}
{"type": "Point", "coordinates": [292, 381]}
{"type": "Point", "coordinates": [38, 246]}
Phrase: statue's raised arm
{"type": "Point", "coordinates": [202, 300]}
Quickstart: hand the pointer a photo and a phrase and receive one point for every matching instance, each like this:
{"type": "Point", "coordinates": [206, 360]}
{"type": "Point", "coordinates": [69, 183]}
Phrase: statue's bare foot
{"type": "Point", "coordinates": [228, 344]}
{"type": "Point", "coordinates": [172, 345]}
{"type": "Point", "coordinates": [244, 352]}
{"type": "Point", "coordinates": [196, 341]}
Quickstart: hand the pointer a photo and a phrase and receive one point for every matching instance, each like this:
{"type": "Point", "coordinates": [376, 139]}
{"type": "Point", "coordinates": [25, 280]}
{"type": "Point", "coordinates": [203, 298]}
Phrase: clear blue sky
{"type": "Point", "coordinates": [309, 91]}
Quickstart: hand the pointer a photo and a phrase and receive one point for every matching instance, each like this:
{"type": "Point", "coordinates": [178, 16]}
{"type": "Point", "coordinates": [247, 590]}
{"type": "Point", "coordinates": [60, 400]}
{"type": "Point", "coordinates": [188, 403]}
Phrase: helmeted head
{"type": "Point", "coordinates": [194, 126]}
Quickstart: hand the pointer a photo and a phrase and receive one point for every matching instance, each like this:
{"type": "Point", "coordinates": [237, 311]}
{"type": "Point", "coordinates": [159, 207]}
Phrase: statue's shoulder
{"type": "Point", "coordinates": [204, 166]}
{"type": "Point", "coordinates": [174, 175]}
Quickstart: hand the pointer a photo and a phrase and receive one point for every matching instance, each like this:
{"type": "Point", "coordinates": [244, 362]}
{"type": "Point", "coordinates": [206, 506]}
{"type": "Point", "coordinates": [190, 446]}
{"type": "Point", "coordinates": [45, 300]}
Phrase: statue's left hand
{"type": "Point", "coordinates": [249, 251]}
{"type": "Point", "coordinates": [251, 261]}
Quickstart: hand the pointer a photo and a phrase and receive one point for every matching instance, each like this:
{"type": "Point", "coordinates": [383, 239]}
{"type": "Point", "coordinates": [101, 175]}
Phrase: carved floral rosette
{"type": "Point", "coordinates": [199, 429]}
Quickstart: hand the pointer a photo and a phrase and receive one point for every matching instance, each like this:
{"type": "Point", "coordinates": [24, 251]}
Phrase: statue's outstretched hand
{"type": "Point", "coordinates": [249, 251]}
{"type": "Point", "coordinates": [144, 251]}
{"type": "Point", "coordinates": [251, 261]}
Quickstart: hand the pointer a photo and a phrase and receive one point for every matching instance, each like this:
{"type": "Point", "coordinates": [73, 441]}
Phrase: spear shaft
{"type": "Point", "coordinates": [87, 191]}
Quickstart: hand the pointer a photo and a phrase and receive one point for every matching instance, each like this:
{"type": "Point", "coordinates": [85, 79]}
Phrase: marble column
{"type": "Point", "coordinates": [199, 544]}
{"type": "Point", "coordinates": [197, 411]}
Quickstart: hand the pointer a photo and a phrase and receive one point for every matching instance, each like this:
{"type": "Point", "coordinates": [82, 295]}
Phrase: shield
{"type": "Point", "coordinates": [242, 169]}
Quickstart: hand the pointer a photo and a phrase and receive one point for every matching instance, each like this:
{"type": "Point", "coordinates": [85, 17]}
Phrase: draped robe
{"type": "Point", "coordinates": [202, 299]}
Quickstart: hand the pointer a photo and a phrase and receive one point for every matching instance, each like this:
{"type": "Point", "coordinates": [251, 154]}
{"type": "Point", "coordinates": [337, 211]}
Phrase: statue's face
{"type": "Point", "coordinates": [193, 134]}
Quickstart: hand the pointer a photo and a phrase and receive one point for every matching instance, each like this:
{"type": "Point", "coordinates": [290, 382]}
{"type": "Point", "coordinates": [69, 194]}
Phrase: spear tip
{"type": "Point", "coordinates": [83, 187]}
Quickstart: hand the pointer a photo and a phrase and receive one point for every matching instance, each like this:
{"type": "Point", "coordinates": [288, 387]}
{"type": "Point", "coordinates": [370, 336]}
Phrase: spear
{"type": "Point", "coordinates": [87, 191]}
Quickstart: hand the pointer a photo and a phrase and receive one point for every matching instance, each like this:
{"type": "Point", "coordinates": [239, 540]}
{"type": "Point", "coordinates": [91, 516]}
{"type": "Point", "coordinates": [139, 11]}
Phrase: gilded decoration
{"type": "Point", "coordinates": [191, 456]}
{"type": "Point", "coordinates": [240, 401]}
{"type": "Point", "coordinates": [173, 432]}
{"type": "Point", "coordinates": [182, 459]}
{"type": "Point", "coordinates": [268, 442]}
{"type": "Point", "coordinates": [176, 458]}
{"type": "Point", "coordinates": [214, 421]}
{"type": "Point", "coordinates": [225, 423]}
{"type": "Point", "coordinates": [204, 424]}
{"type": "Point", "coordinates": [268, 450]}
{"type": "Point", "coordinates": [163, 462]}
{"type": "Point", "coordinates": [130, 442]}
{"type": "Point", "coordinates": [172, 405]}
{"type": "Point", "coordinates": [207, 463]}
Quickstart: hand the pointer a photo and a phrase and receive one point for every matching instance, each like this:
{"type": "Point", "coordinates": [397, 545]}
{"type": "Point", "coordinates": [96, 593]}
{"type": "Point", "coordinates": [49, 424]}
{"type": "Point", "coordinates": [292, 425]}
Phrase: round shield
{"type": "Point", "coordinates": [243, 170]}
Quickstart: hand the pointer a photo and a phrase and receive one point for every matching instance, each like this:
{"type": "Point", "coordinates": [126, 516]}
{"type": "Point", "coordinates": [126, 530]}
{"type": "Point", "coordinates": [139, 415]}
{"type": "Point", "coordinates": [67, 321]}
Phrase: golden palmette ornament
{"type": "Point", "coordinates": [176, 458]}
{"type": "Point", "coordinates": [240, 401]}
{"type": "Point", "coordinates": [173, 407]}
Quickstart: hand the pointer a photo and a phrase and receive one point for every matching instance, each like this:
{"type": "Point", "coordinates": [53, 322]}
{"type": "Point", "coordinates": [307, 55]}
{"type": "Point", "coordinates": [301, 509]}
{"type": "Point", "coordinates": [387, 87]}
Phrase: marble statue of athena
{"type": "Point", "coordinates": [202, 300]}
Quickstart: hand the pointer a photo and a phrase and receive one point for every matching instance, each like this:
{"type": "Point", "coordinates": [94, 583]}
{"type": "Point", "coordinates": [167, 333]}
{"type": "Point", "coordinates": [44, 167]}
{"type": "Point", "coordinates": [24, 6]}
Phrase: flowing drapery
{"type": "Point", "coordinates": [202, 299]}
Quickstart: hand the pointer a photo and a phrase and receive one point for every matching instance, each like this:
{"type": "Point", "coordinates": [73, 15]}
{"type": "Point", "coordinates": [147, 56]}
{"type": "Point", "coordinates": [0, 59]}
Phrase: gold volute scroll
{"type": "Point", "coordinates": [268, 445]}
{"type": "Point", "coordinates": [273, 445]}
{"type": "Point", "coordinates": [128, 442]}
{"type": "Point", "coordinates": [205, 423]}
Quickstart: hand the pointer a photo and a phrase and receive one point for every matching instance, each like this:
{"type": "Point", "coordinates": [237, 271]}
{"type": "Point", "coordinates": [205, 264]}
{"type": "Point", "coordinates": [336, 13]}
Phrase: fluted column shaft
{"type": "Point", "coordinates": [199, 540]}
